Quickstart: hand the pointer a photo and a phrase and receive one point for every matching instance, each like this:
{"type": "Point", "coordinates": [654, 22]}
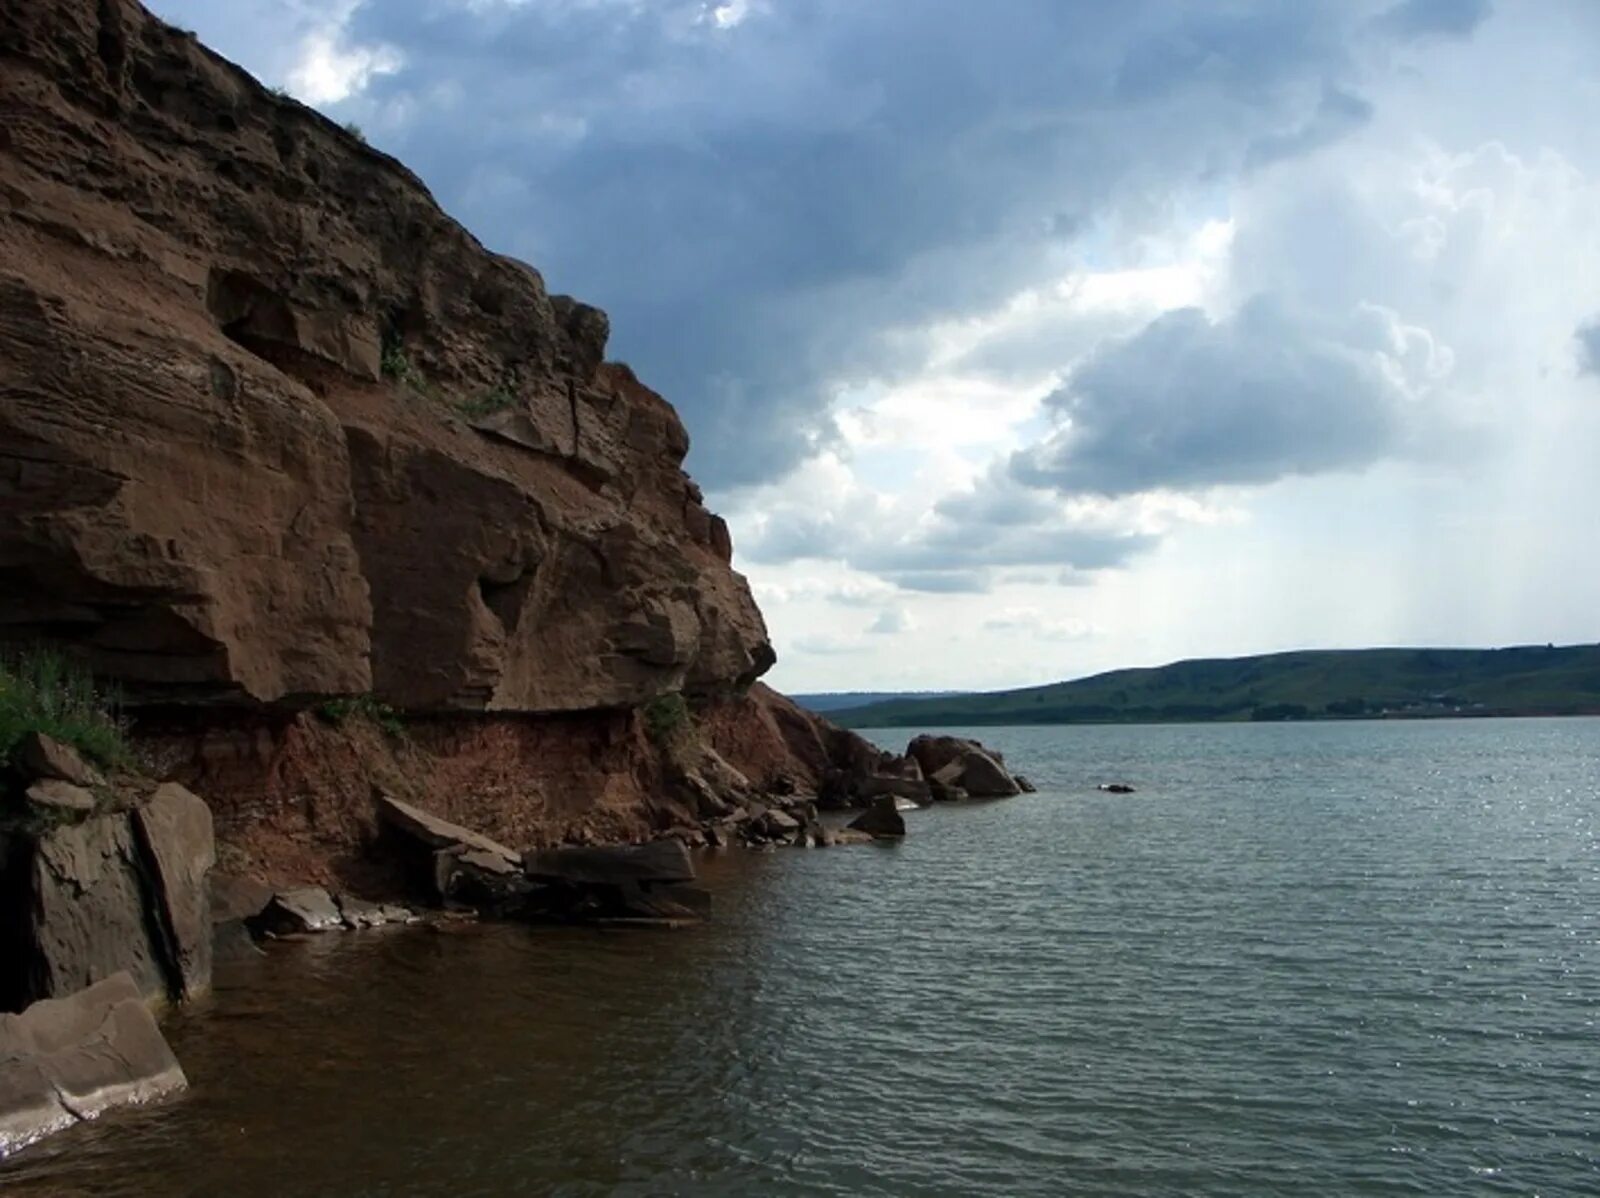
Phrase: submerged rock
{"type": "Point", "coordinates": [65, 1060]}
{"type": "Point", "coordinates": [1116, 788]}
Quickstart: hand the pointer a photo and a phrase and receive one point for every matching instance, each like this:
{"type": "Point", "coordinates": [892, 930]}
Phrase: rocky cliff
{"type": "Point", "coordinates": [342, 501]}
{"type": "Point", "coordinates": [273, 426]}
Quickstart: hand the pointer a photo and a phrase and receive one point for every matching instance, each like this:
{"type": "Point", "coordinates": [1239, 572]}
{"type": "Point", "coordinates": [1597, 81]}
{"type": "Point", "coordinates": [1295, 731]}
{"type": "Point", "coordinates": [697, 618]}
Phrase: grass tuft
{"type": "Point", "coordinates": [41, 691]}
{"type": "Point", "coordinates": [363, 707]}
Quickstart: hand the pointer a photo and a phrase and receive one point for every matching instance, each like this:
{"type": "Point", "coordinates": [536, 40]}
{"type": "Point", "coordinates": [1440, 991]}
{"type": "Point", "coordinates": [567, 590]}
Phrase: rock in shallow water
{"type": "Point", "coordinates": [64, 1060]}
{"type": "Point", "coordinates": [306, 909]}
{"type": "Point", "coordinates": [880, 821]}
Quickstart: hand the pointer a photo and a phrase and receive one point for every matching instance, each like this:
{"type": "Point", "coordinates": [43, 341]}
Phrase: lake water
{"type": "Point", "coordinates": [1353, 958]}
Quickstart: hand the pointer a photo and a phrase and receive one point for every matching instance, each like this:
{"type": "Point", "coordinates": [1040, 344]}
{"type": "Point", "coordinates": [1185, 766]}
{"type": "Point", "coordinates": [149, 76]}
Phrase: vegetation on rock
{"type": "Point", "coordinates": [41, 691]}
{"type": "Point", "coordinates": [667, 719]}
{"type": "Point", "coordinates": [362, 707]}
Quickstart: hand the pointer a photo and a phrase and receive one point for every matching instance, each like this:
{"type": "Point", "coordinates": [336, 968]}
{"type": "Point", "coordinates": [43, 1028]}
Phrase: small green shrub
{"type": "Point", "coordinates": [362, 707]}
{"type": "Point", "coordinates": [354, 130]}
{"type": "Point", "coordinates": [487, 403]}
{"type": "Point", "coordinates": [667, 717]}
{"type": "Point", "coordinates": [395, 365]}
{"type": "Point", "coordinates": [41, 691]}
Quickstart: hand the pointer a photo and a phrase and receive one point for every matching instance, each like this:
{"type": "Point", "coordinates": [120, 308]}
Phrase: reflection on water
{"type": "Point", "coordinates": [1336, 958]}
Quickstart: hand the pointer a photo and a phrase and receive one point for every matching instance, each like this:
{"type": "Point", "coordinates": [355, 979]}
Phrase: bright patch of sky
{"type": "Point", "coordinates": [1019, 341]}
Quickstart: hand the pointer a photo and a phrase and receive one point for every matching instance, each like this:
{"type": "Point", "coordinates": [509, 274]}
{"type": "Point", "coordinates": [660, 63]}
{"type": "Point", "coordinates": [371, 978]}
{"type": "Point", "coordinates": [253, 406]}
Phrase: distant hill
{"type": "Point", "coordinates": [1309, 684]}
{"type": "Point", "coordinates": [834, 700]}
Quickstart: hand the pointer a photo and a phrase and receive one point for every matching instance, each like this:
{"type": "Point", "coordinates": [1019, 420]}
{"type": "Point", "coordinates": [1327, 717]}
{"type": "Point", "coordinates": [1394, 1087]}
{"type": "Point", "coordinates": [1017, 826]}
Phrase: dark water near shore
{"type": "Point", "coordinates": [1355, 958]}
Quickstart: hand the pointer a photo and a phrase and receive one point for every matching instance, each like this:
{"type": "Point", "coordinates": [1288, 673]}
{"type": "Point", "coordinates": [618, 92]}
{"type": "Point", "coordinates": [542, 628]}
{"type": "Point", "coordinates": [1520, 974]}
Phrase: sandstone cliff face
{"type": "Point", "coordinates": [272, 426]}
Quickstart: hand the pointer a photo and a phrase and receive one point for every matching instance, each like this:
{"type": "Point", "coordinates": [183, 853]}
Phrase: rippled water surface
{"type": "Point", "coordinates": [1351, 958]}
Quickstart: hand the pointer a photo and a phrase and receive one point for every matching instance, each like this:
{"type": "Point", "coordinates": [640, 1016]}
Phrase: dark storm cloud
{"type": "Point", "coordinates": [1190, 403]}
{"type": "Point", "coordinates": [755, 206]}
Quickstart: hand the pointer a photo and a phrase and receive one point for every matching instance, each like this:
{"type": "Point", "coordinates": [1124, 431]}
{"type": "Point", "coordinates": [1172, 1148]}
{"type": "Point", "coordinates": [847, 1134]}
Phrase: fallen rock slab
{"type": "Point", "coordinates": [642, 883]}
{"type": "Point", "coordinates": [661, 862]}
{"type": "Point", "coordinates": [66, 1060]}
{"type": "Point", "coordinates": [452, 863]}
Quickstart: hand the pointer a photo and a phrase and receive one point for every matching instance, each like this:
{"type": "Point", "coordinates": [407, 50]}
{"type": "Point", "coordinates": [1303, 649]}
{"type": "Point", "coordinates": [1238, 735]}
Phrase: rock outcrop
{"type": "Point", "coordinates": [86, 895]}
{"type": "Point", "coordinates": [281, 442]}
{"type": "Point", "coordinates": [957, 763]}
{"type": "Point", "coordinates": [68, 1059]}
{"type": "Point", "coordinates": [273, 426]}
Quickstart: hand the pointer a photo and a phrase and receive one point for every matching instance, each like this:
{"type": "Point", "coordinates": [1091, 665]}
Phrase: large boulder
{"type": "Point", "coordinates": [77, 914]}
{"type": "Point", "coordinates": [954, 761]}
{"type": "Point", "coordinates": [123, 891]}
{"type": "Point", "coordinates": [175, 834]}
{"type": "Point", "coordinates": [65, 1060]}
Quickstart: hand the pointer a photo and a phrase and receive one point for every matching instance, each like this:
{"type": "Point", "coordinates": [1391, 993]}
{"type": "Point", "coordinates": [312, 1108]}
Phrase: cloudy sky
{"type": "Point", "coordinates": [1025, 339]}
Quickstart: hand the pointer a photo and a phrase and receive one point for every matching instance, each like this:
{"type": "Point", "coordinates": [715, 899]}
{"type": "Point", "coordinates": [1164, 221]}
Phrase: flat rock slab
{"type": "Point", "coordinates": [65, 1060]}
{"type": "Point", "coordinates": [661, 862]}
{"type": "Point", "coordinates": [60, 798]}
{"type": "Point", "coordinates": [307, 909]}
{"type": "Point", "coordinates": [434, 832]}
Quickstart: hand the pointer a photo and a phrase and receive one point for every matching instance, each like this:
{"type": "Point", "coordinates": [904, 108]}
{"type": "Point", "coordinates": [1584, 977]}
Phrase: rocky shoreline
{"type": "Point", "coordinates": [404, 596]}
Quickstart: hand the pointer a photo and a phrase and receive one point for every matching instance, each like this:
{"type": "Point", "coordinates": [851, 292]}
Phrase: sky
{"type": "Point", "coordinates": [1027, 339]}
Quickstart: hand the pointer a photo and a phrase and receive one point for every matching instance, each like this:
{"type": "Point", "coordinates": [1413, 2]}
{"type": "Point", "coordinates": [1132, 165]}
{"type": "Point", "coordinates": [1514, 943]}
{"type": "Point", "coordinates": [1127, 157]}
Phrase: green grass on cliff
{"type": "Point", "coordinates": [43, 692]}
{"type": "Point", "coordinates": [1312, 684]}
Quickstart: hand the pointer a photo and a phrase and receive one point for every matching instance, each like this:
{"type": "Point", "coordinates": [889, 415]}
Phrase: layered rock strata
{"type": "Point", "coordinates": [273, 426]}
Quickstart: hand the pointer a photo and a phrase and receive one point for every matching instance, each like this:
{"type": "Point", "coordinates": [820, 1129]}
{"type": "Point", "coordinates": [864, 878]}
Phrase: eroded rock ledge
{"type": "Point", "coordinates": [273, 426]}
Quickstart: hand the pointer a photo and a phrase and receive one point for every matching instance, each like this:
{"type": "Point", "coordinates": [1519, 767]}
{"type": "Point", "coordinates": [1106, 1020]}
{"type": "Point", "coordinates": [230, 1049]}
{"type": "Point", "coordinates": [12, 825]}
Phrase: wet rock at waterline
{"type": "Point", "coordinates": [65, 1060]}
{"type": "Point", "coordinates": [309, 909]}
{"type": "Point", "coordinates": [881, 821]}
{"type": "Point", "coordinates": [954, 761]}
{"type": "Point", "coordinates": [1116, 788]}
{"type": "Point", "coordinates": [304, 909]}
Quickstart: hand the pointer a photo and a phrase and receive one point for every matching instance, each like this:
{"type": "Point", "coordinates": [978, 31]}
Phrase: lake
{"type": "Point", "coordinates": [1337, 958]}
